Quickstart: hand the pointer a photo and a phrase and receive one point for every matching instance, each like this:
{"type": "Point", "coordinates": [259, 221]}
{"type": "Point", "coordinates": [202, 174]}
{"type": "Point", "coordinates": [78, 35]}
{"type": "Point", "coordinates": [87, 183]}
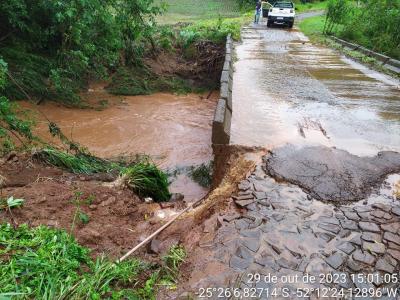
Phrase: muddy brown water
{"type": "Point", "coordinates": [287, 90]}
{"type": "Point", "coordinates": [175, 130]}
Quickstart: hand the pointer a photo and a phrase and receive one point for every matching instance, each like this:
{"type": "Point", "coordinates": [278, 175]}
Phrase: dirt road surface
{"type": "Point", "coordinates": [323, 201]}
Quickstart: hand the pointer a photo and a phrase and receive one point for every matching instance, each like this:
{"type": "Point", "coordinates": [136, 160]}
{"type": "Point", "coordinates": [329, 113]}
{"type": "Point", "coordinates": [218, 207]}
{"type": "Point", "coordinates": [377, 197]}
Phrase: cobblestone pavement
{"type": "Point", "coordinates": [284, 232]}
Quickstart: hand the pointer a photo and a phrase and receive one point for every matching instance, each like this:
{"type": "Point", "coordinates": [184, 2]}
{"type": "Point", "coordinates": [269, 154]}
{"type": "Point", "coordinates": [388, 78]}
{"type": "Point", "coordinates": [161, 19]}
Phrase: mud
{"type": "Point", "coordinates": [330, 174]}
{"type": "Point", "coordinates": [118, 219]}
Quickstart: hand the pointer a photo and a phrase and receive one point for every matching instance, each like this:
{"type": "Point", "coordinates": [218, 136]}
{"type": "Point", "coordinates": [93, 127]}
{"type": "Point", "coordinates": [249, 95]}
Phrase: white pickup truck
{"type": "Point", "coordinates": [281, 12]}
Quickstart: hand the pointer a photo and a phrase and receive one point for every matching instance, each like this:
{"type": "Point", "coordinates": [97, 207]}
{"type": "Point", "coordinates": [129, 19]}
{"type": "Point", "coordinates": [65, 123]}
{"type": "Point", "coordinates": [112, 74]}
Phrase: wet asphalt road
{"type": "Point", "coordinates": [287, 90]}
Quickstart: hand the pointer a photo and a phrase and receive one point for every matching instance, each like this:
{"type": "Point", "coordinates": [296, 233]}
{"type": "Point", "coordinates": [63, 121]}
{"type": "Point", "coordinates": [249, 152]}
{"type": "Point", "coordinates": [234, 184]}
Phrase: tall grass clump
{"type": "Point", "coordinates": [142, 176]}
{"type": "Point", "coordinates": [146, 180]}
{"type": "Point", "coordinates": [81, 163]}
{"type": "Point", "coordinates": [46, 263]}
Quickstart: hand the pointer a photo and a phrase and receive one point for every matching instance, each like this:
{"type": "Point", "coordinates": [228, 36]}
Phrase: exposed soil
{"type": "Point", "coordinates": [118, 219]}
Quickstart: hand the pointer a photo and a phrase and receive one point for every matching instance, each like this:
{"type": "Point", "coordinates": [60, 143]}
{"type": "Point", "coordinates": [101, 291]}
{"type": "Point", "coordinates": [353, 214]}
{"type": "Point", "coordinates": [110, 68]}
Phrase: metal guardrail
{"type": "Point", "coordinates": [387, 62]}
{"type": "Point", "coordinates": [221, 129]}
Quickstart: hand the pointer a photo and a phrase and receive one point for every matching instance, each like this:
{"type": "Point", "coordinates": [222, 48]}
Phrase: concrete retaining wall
{"type": "Point", "coordinates": [387, 62]}
{"type": "Point", "coordinates": [221, 130]}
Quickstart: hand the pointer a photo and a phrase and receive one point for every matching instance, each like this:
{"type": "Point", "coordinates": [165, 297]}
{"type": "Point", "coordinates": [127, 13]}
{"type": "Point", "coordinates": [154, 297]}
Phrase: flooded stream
{"type": "Point", "coordinates": [175, 130]}
{"type": "Point", "coordinates": [288, 90]}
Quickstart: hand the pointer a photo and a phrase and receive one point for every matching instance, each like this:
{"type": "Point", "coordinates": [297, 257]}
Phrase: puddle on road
{"type": "Point", "coordinates": [175, 130]}
{"type": "Point", "coordinates": [282, 80]}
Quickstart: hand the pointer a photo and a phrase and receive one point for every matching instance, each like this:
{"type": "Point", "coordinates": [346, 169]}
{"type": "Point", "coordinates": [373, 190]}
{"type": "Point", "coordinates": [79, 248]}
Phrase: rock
{"type": "Point", "coordinates": [241, 224]}
{"type": "Point", "coordinates": [287, 264]}
{"type": "Point", "coordinates": [391, 237]}
{"type": "Point", "coordinates": [346, 247]}
{"type": "Point", "coordinates": [250, 233]}
{"type": "Point", "coordinates": [330, 227]}
{"type": "Point", "coordinates": [267, 261]}
{"type": "Point", "coordinates": [176, 197]}
{"type": "Point", "coordinates": [351, 215]}
{"type": "Point", "coordinates": [371, 237]}
{"type": "Point", "coordinates": [148, 200]}
{"type": "Point", "coordinates": [379, 214]}
{"type": "Point", "coordinates": [348, 224]}
{"type": "Point", "coordinates": [260, 195]}
{"type": "Point", "coordinates": [93, 207]}
{"type": "Point", "coordinates": [385, 208]}
{"type": "Point", "coordinates": [244, 203]}
{"type": "Point", "coordinates": [109, 201]}
{"type": "Point", "coordinates": [396, 210]}
{"type": "Point", "coordinates": [394, 253]}
{"type": "Point", "coordinates": [392, 227]}
{"type": "Point", "coordinates": [335, 260]}
{"type": "Point", "coordinates": [231, 217]}
{"type": "Point", "coordinates": [161, 247]}
{"type": "Point", "coordinates": [363, 257]}
{"type": "Point", "coordinates": [243, 197]}
{"type": "Point", "coordinates": [239, 263]}
{"type": "Point", "coordinates": [207, 240]}
{"type": "Point", "coordinates": [244, 185]}
{"type": "Point", "coordinates": [252, 243]}
{"type": "Point", "coordinates": [210, 225]}
{"type": "Point", "coordinates": [378, 248]}
{"type": "Point", "coordinates": [244, 253]}
{"type": "Point", "coordinates": [368, 226]}
{"type": "Point", "coordinates": [354, 266]}
{"type": "Point", "coordinates": [384, 265]}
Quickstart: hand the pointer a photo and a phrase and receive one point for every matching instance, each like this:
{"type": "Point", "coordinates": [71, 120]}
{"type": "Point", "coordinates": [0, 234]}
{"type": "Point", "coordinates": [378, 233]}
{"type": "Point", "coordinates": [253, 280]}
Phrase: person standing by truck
{"type": "Point", "coordinates": [258, 12]}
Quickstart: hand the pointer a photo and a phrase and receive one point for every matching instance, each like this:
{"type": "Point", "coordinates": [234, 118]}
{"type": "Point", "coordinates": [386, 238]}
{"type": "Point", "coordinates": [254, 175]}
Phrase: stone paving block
{"type": "Point", "coordinates": [244, 253]}
{"type": "Point", "coordinates": [368, 226]}
{"type": "Point", "coordinates": [354, 266]}
{"type": "Point", "coordinates": [392, 227]}
{"type": "Point", "coordinates": [384, 207]}
{"type": "Point", "coordinates": [287, 264]}
{"type": "Point", "coordinates": [371, 237]}
{"type": "Point", "coordinates": [378, 248]}
{"type": "Point", "coordinates": [356, 240]}
{"type": "Point", "coordinates": [396, 210]}
{"type": "Point", "coordinates": [363, 257]}
{"type": "Point", "coordinates": [243, 197]}
{"type": "Point", "coordinates": [239, 263]}
{"type": "Point", "coordinates": [347, 247]}
{"type": "Point", "coordinates": [330, 227]}
{"type": "Point", "coordinates": [394, 253]}
{"type": "Point", "coordinates": [351, 215]}
{"type": "Point", "coordinates": [335, 260]}
{"type": "Point", "coordinates": [391, 237]}
{"type": "Point", "coordinates": [252, 243]}
{"type": "Point", "coordinates": [253, 233]}
{"type": "Point", "coordinates": [244, 203]}
{"type": "Point", "coordinates": [384, 266]}
{"type": "Point", "coordinates": [349, 224]}
{"type": "Point", "coordinates": [241, 224]}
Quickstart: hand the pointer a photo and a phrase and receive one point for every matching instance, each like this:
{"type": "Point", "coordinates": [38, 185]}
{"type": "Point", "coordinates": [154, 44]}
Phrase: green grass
{"type": "Point", "coordinates": [194, 10]}
{"type": "Point", "coordinates": [46, 263]}
{"type": "Point", "coordinates": [146, 180]}
{"type": "Point", "coordinates": [317, 5]}
{"type": "Point", "coordinates": [142, 176]}
{"type": "Point", "coordinates": [313, 27]}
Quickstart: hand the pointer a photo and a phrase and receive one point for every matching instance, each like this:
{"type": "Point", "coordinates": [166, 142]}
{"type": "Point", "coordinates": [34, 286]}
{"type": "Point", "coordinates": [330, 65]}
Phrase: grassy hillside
{"type": "Point", "coordinates": [192, 10]}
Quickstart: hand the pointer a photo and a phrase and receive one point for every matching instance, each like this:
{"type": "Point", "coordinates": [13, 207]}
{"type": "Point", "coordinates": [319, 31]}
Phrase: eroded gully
{"type": "Point", "coordinates": [322, 201]}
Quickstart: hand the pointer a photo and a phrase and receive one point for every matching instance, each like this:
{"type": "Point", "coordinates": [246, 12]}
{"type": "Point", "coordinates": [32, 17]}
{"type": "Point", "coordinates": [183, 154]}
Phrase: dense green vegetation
{"type": "Point", "coordinates": [53, 48]}
{"type": "Point", "coordinates": [373, 24]}
{"type": "Point", "coordinates": [45, 263]}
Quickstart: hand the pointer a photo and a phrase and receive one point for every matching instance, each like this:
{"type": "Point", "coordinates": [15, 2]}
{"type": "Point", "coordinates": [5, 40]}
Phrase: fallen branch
{"type": "Point", "coordinates": [149, 238]}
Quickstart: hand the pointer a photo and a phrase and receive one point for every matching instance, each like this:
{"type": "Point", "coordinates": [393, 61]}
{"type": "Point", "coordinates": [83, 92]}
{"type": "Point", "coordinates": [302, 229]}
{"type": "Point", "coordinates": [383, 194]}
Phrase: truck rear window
{"type": "Point", "coordinates": [283, 5]}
